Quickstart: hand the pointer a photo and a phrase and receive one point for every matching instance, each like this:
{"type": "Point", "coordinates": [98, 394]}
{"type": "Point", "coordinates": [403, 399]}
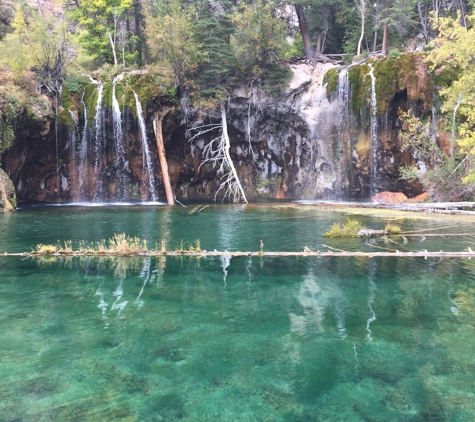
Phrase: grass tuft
{"type": "Point", "coordinates": [45, 249]}
{"type": "Point", "coordinates": [350, 229]}
{"type": "Point", "coordinates": [392, 229]}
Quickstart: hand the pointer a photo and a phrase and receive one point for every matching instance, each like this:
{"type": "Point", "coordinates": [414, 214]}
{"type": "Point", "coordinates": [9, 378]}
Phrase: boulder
{"type": "Point", "coordinates": [386, 198]}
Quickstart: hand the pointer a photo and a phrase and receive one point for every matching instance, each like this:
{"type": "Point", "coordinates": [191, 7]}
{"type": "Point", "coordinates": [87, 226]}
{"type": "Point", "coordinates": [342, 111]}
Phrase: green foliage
{"type": "Point", "coordinates": [259, 42]}
{"type": "Point", "coordinates": [102, 29]}
{"type": "Point", "coordinates": [171, 40]}
{"type": "Point", "coordinates": [41, 44]}
{"type": "Point", "coordinates": [75, 83]}
{"type": "Point", "coordinates": [295, 48]}
{"type": "Point", "coordinates": [453, 52]}
{"type": "Point", "coordinates": [443, 177]}
{"type": "Point", "coordinates": [394, 54]}
{"type": "Point", "coordinates": [350, 229]}
{"type": "Point", "coordinates": [276, 78]}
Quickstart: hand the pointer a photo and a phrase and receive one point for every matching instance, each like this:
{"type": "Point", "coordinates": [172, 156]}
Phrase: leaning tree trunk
{"type": "Point", "coordinates": [384, 49]}
{"type": "Point", "coordinates": [304, 31]}
{"type": "Point", "coordinates": [157, 127]}
{"type": "Point", "coordinates": [362, 8]}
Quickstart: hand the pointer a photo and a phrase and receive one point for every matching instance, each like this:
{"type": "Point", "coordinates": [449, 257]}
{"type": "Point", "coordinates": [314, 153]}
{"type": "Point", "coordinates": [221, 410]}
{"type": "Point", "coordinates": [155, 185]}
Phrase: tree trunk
{"type": "Point", "coordinates": [304, 31]}
{"type": "Point", "coordinates": [423, 19]}
{"type": "Point", "coordinates": [384, 48]}
{"type": "Point", "coordinates": [157, 127]}
{"type": "Point", "coordinates": [319, 43]}
{"type": "Point", "coordinates": [113, 48]}
{"type": "Point", "coordinates": [463, 13]}
{"type": "Point", "coordinates": [362, 8]}
{"type": "Point", "coordinates": [385, 30]}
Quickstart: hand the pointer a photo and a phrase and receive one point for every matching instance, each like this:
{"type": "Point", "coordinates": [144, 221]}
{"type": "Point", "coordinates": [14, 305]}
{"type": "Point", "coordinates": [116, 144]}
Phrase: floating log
{"type": "Point", "coordinates": [305, 253]}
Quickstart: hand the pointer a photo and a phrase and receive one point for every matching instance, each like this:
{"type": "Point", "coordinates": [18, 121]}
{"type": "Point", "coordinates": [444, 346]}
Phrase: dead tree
{"type": "Point", "coordinates": [157, 127]}
{"type": "Point", "coordinates": [217, 153]}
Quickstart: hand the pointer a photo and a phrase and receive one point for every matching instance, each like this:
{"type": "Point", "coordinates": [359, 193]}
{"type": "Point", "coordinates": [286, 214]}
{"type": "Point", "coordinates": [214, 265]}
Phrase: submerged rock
{"type": "Point", "coordinates": [385, 198]}
{"type": "Point", "coordinates": [371, 233]}
{"type": "Point", "coordinates": [7, 193]}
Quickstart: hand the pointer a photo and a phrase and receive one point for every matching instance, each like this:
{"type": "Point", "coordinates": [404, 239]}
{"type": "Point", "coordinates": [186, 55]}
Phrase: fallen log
{"type": "Point", "coordinates": [306, 253]}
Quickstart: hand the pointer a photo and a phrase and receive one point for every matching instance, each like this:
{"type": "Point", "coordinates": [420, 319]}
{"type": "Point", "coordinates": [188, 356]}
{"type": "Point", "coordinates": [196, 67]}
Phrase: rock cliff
{"type": "Point", "coordinates": [323, 138]}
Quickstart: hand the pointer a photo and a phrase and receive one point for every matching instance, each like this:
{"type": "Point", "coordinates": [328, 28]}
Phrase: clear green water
{"type": "Point", "coordinates": [140, 339]}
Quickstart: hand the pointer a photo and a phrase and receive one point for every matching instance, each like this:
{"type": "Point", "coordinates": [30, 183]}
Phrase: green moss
{"type": "Point", "coordinates": [66, 99]}
{"type": "Point", "coordinates": [65, 119]}
{"type": "Point", "coordinates": [107, 95]}
{"type": "Point", "coordinates": [148, 87]}
{"type": "Point", "coordinates": [90, 99]}
{"type": "Point", "coordinates": [392, 75]}
{"type": "Point", "coordinates": [331, 80]}
{"type": "Point", "coordinates": [385, 72]}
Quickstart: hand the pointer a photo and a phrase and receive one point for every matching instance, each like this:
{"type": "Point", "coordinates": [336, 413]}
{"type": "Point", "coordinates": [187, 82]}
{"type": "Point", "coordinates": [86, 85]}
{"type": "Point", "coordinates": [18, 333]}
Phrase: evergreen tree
{"type": "Point", "coordinates": [102, 31]}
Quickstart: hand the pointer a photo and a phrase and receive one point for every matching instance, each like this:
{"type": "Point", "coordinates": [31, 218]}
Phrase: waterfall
{"type": "Point", "coordinates": [374, 133]}
{"type": "Point", "coordinates": [99, 144]}
{"type": "Point", "coordinates": [73, 137]}
{"type": "Point", "coordinates": [343, 97]}
{"type": "Point", "coordinates": [119, 160]}
{"type": "Point", "coordinates": [146, 160]}
{"type": "Point", "coordinates": [82, 164]}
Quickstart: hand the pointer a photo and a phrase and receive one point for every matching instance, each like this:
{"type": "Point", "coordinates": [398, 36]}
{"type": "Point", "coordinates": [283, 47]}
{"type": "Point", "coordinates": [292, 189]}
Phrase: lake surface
{"type": "Point", "coordinates": [211, 339]}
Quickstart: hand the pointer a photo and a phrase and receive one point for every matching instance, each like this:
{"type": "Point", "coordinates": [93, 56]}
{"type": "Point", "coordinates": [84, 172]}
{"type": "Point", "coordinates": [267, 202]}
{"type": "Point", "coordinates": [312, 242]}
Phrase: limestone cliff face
{"type": "Point", "coordinates": [319, 140]}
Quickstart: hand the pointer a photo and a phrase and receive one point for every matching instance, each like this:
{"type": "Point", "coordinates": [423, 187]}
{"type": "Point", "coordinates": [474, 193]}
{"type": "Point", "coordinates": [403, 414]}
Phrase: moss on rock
{"type": "Point", "coordinates": [331, 81]}
{"type": "Point", "coordinates": [7, 193]}
{"type": "Point", "coordinates": [408, 72]}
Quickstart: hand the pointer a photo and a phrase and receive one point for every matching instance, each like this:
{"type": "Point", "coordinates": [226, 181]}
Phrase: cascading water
{"type": "Point", "coordinates": [82, 162]}
{"type": "Point", "coordinates": [147, 161]}
{"type": "Point", "coordinates": [73, 137]}
{"type": "Point", "coordinates": [99, 145]}
{"type": "Point", "coordinates": [374, 134]}
{"type": "Point", "coordinates": [343, 97]}
{"type": "Point", "coordinates": [119, 153]}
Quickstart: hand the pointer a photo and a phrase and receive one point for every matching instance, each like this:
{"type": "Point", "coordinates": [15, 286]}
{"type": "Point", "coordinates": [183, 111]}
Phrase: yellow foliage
{"type": "Point", "coordinates": [453, 51]}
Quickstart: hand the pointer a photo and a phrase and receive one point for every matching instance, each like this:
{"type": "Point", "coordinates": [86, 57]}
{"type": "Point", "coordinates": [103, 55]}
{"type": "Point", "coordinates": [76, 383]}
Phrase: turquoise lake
{"type": "Point", "coordinates": [214, 339]}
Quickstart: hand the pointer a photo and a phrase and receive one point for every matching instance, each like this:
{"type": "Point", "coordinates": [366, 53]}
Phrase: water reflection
{"type": "Point", "coordinates": [315, 295]}
{"type": "Point", "coordinates": [372, 289]}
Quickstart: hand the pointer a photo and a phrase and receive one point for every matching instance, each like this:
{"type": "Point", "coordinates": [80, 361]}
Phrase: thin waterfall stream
{"type": "Point", "coordinates": [343, 98]}
{"type": "Point", "coordinates": [374, 133]}
{"type": "Point", "coordinates": [83, 163]}
{"type": "Point", "coordinates": [99, 144]}
{"type": "Point", "coordinates": [119, 153]}
{"type": "Point", "coordinates": [146, 159]}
